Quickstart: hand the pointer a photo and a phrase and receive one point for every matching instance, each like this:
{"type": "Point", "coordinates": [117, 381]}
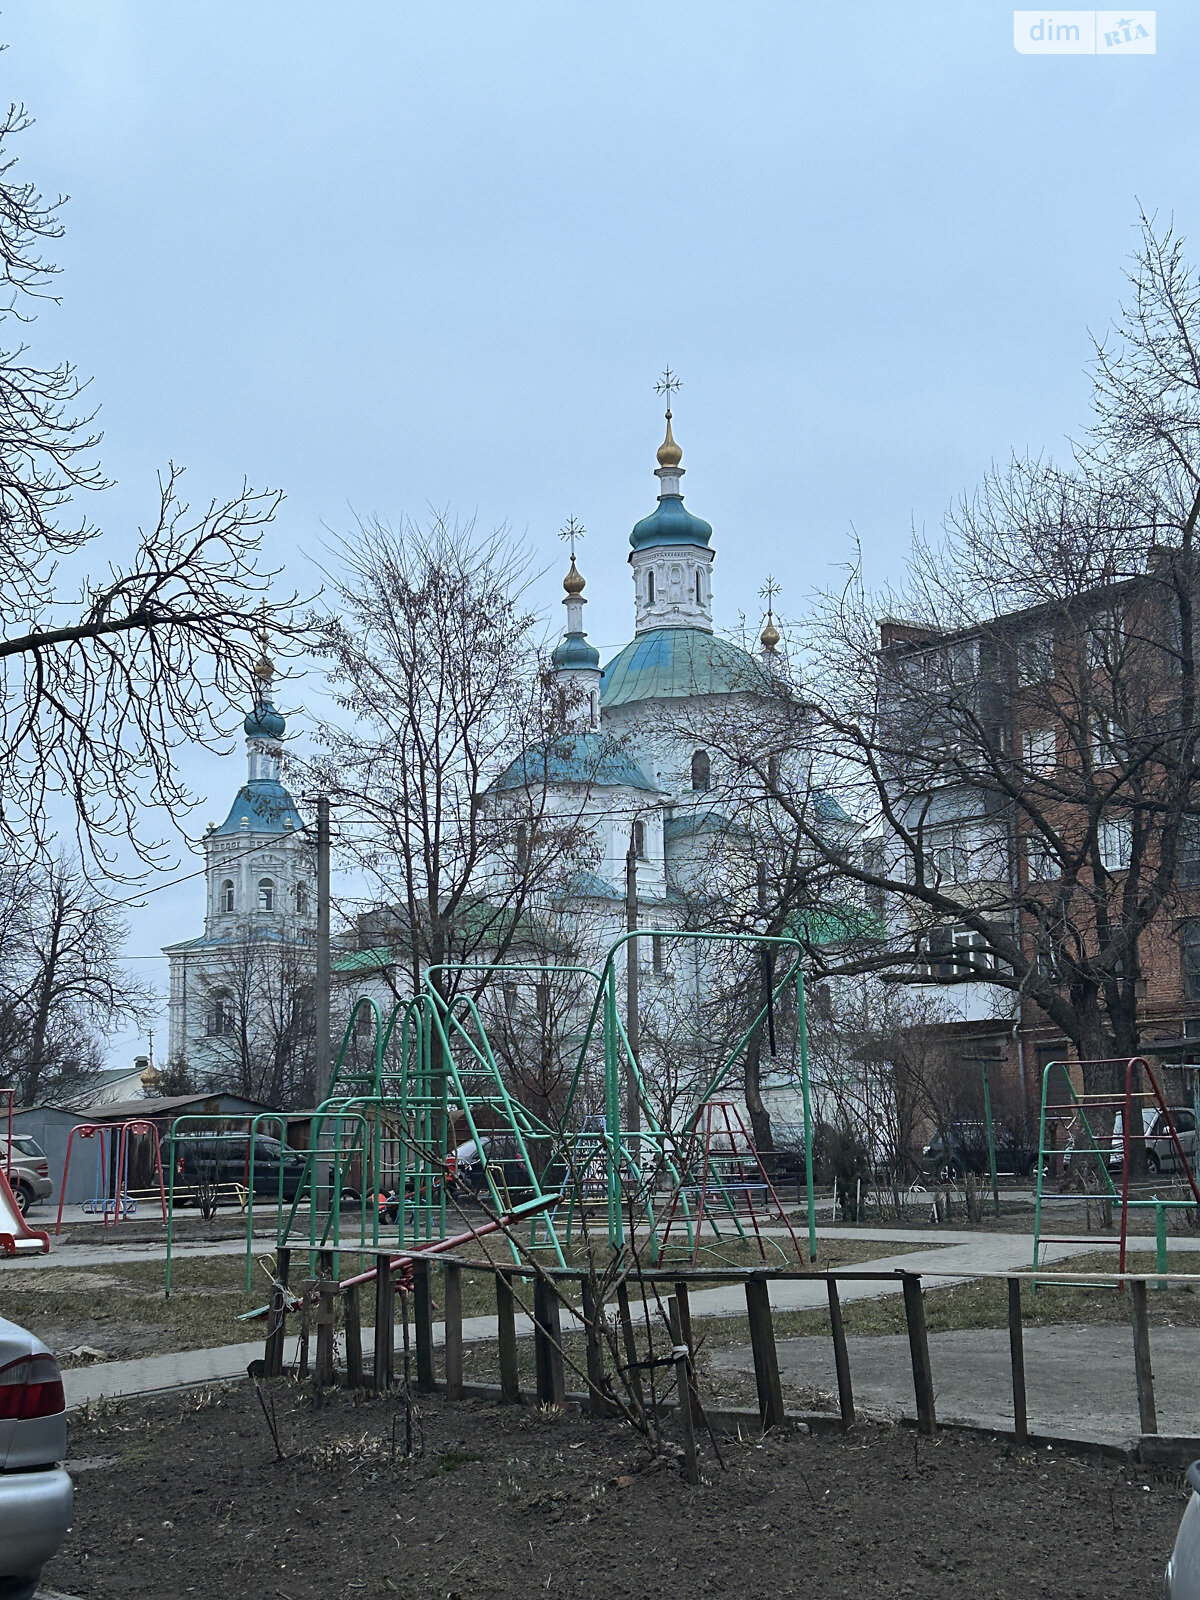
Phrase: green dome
{"type": "Point", "coordinates": [670, 662]}
{"type": "Point", "coordinates": [670, 523]}
{"type": "Point", "coordinates": [573, 650]}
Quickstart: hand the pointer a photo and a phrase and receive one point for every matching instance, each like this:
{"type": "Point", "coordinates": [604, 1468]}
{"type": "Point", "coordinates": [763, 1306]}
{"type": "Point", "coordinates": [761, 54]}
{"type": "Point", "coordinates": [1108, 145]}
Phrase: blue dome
{"type": "Point", "coordinates": [575, 651]}
{"type": "Point", "coordinates": [262, 806]}
{"type": "Point", "coordinates": [670, 523]}
{"type": "Point", "coordinates": [264, 722]}
{"type": "Point", "coordinates": [667, 663]}
{"type": "Point", "coordinates": [588, 757]}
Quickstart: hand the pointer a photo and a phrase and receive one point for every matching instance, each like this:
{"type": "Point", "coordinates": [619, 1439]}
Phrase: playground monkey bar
{"type": "Point", "coordinates": [1074, 1111]}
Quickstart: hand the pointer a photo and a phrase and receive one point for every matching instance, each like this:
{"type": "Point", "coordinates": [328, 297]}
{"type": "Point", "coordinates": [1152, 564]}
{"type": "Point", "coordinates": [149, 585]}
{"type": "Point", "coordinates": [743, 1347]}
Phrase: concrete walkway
{"type": "Point", "coordinates": [1079, 1381]}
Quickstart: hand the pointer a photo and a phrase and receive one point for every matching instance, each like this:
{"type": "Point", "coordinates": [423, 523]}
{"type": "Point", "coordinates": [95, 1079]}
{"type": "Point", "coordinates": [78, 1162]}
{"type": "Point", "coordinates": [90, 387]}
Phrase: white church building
{"type": "Point", "coordinates": [259, 876]}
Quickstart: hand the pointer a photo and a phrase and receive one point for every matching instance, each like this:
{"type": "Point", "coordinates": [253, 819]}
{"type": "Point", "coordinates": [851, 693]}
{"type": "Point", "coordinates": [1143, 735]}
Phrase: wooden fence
{"type": "Point", "coordinates": [412, 1275]}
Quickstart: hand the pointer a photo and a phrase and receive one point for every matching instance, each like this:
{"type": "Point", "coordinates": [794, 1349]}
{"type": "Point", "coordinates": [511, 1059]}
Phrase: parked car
{"type": "Point", "coordinates": [1161, 1154]}
{"type": "Point", "coordinates": [1182, 1581]}
{"type": "Point", "coordinates": [964, 1148]}
{"type": "Point", "coordinates": [221, 1162]}
{"type": "Point", "coordinates": [29, 1171]}
{"type": "Point", "coordinates": [36, 1495]}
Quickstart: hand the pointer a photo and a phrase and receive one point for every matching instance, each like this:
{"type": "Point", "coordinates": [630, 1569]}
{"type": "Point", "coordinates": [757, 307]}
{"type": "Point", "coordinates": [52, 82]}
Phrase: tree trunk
{"type": "Point", "coordinates": [760, 1119]}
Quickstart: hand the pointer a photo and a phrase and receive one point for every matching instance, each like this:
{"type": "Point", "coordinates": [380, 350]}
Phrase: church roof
{"type": "Point", "coordinates": [261, 806]}
{"type": "Point", "coordinates": [670, 523]}
{"type": "Point", "coordinates": [669, 662]}
{"type": "Point", "coordinates": [575, 758]}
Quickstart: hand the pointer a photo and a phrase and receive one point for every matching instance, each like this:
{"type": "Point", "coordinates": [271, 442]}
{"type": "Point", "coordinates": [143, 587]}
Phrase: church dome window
{"type": "Point", "coordinates": [266, 894]}
{"type": "Point", "coordinates": [650, 588]}
{"type": "Point", "coordinates": [701, 769]}
{"type": "Point", "coordinates": [227, 900]}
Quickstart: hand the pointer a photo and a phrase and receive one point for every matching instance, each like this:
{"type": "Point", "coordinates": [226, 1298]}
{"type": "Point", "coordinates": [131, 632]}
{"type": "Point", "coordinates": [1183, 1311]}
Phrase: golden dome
{"type": "Point", "coordinates": [770, 635]}
{"type": "Point", "coordinates": [669, 453]}
{"type": "Point", "coordinates": [149, 1076]}
{"type": "Point", "coordinates": [573, 583]}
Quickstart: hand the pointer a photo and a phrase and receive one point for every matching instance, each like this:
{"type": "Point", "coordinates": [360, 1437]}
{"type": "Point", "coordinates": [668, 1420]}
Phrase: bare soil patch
{"type": "Point", "coordinates": [189, 1499]}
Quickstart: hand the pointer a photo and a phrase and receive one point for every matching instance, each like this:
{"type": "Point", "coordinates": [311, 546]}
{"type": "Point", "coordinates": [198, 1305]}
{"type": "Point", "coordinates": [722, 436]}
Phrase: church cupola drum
{"type": "Point", "coordinates": [670, 554]}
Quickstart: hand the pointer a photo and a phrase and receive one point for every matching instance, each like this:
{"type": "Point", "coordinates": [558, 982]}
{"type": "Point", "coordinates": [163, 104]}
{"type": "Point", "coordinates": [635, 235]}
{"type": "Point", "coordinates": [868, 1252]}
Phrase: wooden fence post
{"type": "Point", "coordinates": [353, 1321]}
{"type": "Point", "coordinates": [593, 1311]}
{"type": "Point", "coordinates": [766, 1358]}
{"type": "Point", "coordinates": [547, 1343]}
{"type": "Point", "coordinates": [683, 1386]}
{"type": "Point", "coordinates": [841, 1355]}
{"type": "Point", "coordinates": [918, 1347]}
{"type": "Point", "coordinates": [506, 1340]}
{"type": "Point", "coordinates": [1016, 1351]}
{"type": "Point", "coordinates": [685, 1335]}
{"type": "Point", "coordinates": [323, 1370]}
{"type": "Point", "coordinates": [452, 1316]}
{"type": "Point", "coordinates": [384, 1321]}
{"type": "Point", "coordinates": [423, 1318]}
{"type": "Point", "coordinates": [1141, 1356]}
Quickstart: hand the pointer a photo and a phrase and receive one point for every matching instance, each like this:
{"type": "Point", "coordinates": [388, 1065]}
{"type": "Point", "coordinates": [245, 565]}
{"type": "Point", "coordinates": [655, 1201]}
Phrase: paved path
{"type": "Point", "coordinates": [1079, 1380]}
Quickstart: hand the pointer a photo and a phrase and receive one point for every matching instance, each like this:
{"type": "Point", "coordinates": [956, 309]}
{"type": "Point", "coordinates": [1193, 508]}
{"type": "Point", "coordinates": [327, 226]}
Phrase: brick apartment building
{"type": "Point", "coordinates": [1042, 779]}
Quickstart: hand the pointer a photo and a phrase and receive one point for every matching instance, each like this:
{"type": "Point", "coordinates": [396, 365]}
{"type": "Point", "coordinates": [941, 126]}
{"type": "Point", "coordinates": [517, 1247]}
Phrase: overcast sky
{"type": "Point", "coordinates": [385, 255]}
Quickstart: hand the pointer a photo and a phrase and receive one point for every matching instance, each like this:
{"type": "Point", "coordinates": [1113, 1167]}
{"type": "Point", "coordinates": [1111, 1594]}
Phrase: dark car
{"type": "Point", "coordinates": [221, 1163]}
{"type": "Point", "coordinates": [964, 1148]}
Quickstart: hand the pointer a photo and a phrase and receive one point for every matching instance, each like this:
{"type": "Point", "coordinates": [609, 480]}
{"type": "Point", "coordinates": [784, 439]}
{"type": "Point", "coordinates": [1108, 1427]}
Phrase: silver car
{"type": "Point", "coordinates": [1182, 1581]}
{"type": "Point", "coordinates": [36, 1495]}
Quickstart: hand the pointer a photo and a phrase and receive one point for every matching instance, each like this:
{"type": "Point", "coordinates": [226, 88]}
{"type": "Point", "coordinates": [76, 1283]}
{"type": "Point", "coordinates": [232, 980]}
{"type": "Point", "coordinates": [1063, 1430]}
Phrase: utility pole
{"type": "Point", "coordinates": [322, 1066]}
{"type": "Point", "coordinates": [633, 1104]}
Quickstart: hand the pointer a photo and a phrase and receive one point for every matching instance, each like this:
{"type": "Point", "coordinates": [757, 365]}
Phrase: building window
{"type": "Point", "coordinates": [699, 588]}
{"type": "Point", "coordinates": [1039, 752]}
{"type": "Point", "coordinates": [1116, 843]}
{"type": "Point", "coordinates": [1040, 859]}
{"type": "Point", "coordinates": [1109, 748]}
{"type": "Point", "coordinates": [227, 895]}
{"type": "Point", "coordinates": [522, 845]}
{"type": "Point", "coordinates": [1188, 852]}
{"type": "Point", "coordinates": [220, 1021]}
{"type": "Point", "coordinates": [949, 953]}
{"type": "Point", "coordinates": [301, 899]}
{"type": "Point", "coordinates": [656, 953]}
{"type": "Point", "coordinates": [773, 770]}
{"type": "Point", "coordinates": [1191, 958]}
{"type": "Point", "coordinates": [650, 588]}
{"type": "Point", "coordinates": [510, 997]}
{"type": "Point", "coordinates": [595, 710]}
{"type": "Point", "coordinates": [639, 840]}
{"type": "Point", "coordinates": [266, 894]}
{"type": "Point", "coordinates": [701, 769]}
{"type": "Point", "coordinates": [1035, 658]}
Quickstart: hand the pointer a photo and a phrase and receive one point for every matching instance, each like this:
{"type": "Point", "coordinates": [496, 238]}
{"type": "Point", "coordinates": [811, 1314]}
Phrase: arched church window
{"type": "Point", "coordinates": [301, 899]}
{"type": "Point", "coordinates": [699, 588]}
{"type": "Point", "coordinates": [227, 895]}
{"type": "Point", "coordinates": [650, 588]}
{"type": "Point", "coordinates": [266, 894]}
{"type": "Point", "coordinates": [220, 1021]}
{"type": "Point", "coordinates": [701, 769]}
{"type": "Point", "coordinates": [595, 710]}
{"type": "Point", "coordinates": [522, 844]}
{"type": "Point", "coordinates": [639, 840]}
{"type": "Point", "coordinates": [773, 771]}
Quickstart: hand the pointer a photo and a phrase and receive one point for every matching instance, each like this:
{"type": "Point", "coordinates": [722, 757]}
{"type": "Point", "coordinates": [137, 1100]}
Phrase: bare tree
{"type": "Point", "coordinates": [440, 761]}
{"type": "Point", "coordinates": [105, 676]}
{"type": "Point", "coordinates": [260, 1019]}
{"type": "Point", "coordinates": [1020, 749]}
{"type": "Point", "coordinates": [61, 979]}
